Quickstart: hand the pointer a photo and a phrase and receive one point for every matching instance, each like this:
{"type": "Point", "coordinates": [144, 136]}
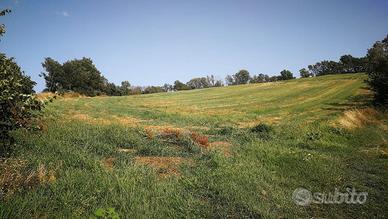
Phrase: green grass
{"type": "Point", "coordinates": [304, 148]}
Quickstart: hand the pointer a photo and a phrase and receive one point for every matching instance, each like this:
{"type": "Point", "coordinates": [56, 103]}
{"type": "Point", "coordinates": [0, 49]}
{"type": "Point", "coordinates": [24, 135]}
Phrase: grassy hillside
{"type": "Point", "coordinates": [195, 154]}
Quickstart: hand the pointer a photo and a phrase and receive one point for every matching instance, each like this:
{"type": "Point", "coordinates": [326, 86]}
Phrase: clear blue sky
{"type": "Point", "coordinates": [150, 42]}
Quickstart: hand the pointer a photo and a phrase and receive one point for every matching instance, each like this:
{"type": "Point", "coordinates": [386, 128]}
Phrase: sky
{"type": "Point", "coordinates": [152, 42]}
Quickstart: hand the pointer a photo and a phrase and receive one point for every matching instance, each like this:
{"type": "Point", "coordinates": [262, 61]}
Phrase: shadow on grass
{"type": "Point", "coordinates": [358, 101]}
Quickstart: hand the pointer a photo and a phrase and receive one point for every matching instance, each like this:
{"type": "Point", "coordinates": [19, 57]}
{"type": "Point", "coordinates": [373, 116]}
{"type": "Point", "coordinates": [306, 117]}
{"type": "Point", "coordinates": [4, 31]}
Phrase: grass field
{"type": "Point", "coordinates": [194, 154]}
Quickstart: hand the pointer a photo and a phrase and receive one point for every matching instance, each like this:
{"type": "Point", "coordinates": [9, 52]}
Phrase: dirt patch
{"type": "Point", "coordinates": [221, 146]}
{"type": "Point", "coordinates": [108, 163]}
{"type": "Point", "coordinates": [358, 118]}
{"type": "Point", "coordinates": [165, 166]}
{"type": "Point", "coordinates": [14, 176]}
{"type": "Point", "coordinates": [200, 139]}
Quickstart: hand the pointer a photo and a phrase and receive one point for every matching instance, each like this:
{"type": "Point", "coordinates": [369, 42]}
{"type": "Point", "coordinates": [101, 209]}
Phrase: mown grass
{"type": "Point", "coordinates": [251, 175]}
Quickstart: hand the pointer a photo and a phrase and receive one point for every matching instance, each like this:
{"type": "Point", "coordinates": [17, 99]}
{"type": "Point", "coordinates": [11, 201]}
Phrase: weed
{"type": "Point", "coordinates": [106, 213]}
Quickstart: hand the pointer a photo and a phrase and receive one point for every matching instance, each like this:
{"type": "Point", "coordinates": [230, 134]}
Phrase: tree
{"type": "Point", "coordinates": [180, 86]}
{"type": "Point", "coordinates": [211, 80]}
{"type": "Point", "coordinates": [79, 75]}
{"type": "Point", "coordinates": [273, 78]}
{"type": "Point", "coordinates": [241, 77]}
{"type": "Point", "coordinates": [125, 88]}
{"type": "Point", "coordinates": [229, 80]}
{"type": "Point", "coordinates": [378, 71]}
{"type": "Point", "coordinates": [136, 90]}
{"type": "Point", "coordinates": [153, 89]}
{"type": "Point", "coordinates": [54, 76]}
{"type": "Point", "coordinates": [198, 83]}
{"type": "Point", "coordinates": [304, 73]}
{"type": "Point", "coordinates": [218, 83]}
{"type": "Point", "coordinates": [167, 87]}
{"type": "Point", "coordinates": [260, 78]}
{"type": "Point", "coordinates": [111, 89]}
{"type": "Point", "coordinates": [350, 64]}
{"type": "Point", "coordinates": [286, 75]}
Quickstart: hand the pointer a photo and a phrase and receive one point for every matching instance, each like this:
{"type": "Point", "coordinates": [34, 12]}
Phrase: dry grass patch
{"type": "Point", "coordinates": [127, 121]}
{"type": "Point", "coordinates": [45, 95]}
{"type": "Point", "coordinates": [255, 122]}
{"type": "Point", "coordinates": [108, 163]}
{"type": "Point", "coordinates": [165, 166]}
{"type": "Point", "coordinates": [358, 118]}
{"type": "Point", "coordinates": [126, 150]}
{"type": "Point", "coordinates": [15, 176]}
{"type": "Point", "coordinates": [72, 95]}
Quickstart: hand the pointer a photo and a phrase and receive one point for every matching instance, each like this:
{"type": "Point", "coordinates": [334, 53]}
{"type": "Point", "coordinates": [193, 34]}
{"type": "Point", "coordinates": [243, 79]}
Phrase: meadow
{"type": "Point", "coordinates": [229, 152]}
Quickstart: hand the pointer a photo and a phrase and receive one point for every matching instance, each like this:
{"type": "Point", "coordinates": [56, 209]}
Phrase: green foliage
{"type": "Point", "coordinates": [378, 71]}
{"type": "Point", "coordinates": [286, 75]}
{"type": "Point", "coordinates": [106, 213]}
{"type": "Point", "coordinates": [153, 89]}
{"type": "Point", "coordinates": [350, 64]}
{"type": "Point", "coordinates": [167, 87]}
{"type": "Point", "coordinates": [346, 64]}
{"type": "Point", "coordinates": [304, 73]}
{"type": "Point", "coordinates": [204, 82]}
{"type": "Point", "coordinates": [17, 104]}
{"type": "Point", "coordinates": [198, 83]}
{"type": "Point", "coordinates": [260, 78]}
{"type": "Point", "coordinates": [78, 75]}
{"type": "Point", "coordinates": [241, 77]}
{"type": "Point", "coordinates": [2, 26]}
{"type": "Point", "coordinates": [262, 128]}
{"type": "Point", "coordinates": [180, 86]}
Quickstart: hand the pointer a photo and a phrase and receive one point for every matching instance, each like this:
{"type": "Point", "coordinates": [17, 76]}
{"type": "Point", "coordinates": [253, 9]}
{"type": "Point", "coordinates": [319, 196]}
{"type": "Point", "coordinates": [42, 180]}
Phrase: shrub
{"type": "Point", "coordinates": [378, 71]}
{"type": "Point", "coordinates": [225, 131]}
{"type": "Point", "coordinates": [17, 103]}
{"type": "Point", "coordinates": [262, 128]}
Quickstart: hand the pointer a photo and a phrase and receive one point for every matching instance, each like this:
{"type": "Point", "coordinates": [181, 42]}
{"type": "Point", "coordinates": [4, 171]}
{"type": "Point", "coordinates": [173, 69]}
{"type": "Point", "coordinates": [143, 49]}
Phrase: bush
{"type": "Point", "coordinates": [262, 130]}
{"type": "Point", "coordinates": [17, 103]}
{"type": "Point", "coordinates": [378, 71]}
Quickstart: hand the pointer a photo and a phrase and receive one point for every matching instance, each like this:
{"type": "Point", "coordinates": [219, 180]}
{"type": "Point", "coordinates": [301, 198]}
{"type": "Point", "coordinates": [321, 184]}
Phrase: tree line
{"type": "Point", "coordinates": [346, 64]}
{"type": "Point", "coordinates": [82, 76]}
